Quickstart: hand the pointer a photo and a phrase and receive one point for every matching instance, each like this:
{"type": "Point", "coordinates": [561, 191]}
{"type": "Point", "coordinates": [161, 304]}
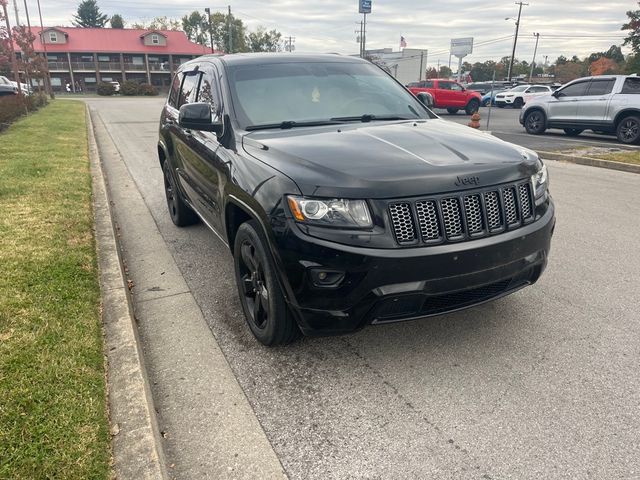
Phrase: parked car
{"type": "Point", "coordinates": [609, 104]}
{"type": "Point", "coordinates": [116, 86]}
{"type": "Point", "coordinates": [518, 96]}
{"type": "Point", "coordinates": [343, 199]}
{"type": "Point", "coordinates": [491, 97]}
{"type": "Point", "coordinates": [448, 94]}
{"type": "Point", "coordinates": [485, 87]}
{"type": "Point", "coordinates": [7, 87]}
{"type": "Point", "coordinates": [26, 90]}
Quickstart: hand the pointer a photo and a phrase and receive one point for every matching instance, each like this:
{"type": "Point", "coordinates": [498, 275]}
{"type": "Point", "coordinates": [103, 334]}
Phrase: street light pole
{"type": "Point", "coordinates": [533, 62]}
{"type": "Point", "coordinates": [208, 12]}
{"type": "Point", "coordinates": [515, 39]}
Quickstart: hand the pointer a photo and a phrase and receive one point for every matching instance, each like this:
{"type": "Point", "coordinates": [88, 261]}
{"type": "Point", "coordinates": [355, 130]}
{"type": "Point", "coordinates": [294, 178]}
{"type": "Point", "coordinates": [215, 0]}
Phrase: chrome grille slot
{"type": "Point", "coordinates": [402, 222]}
{"type": "Point", "coordinates": [428, 220]}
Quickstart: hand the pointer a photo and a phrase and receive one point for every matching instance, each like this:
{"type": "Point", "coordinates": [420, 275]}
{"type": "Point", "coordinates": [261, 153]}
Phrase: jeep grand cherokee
{"type": "Point", "coordinates": [343, 199]}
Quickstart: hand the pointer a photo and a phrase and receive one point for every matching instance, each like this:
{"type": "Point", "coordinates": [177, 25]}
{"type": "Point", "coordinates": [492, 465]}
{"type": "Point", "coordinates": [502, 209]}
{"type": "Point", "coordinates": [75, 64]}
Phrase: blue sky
{"type": "Point", "coordinates": [568, 27]}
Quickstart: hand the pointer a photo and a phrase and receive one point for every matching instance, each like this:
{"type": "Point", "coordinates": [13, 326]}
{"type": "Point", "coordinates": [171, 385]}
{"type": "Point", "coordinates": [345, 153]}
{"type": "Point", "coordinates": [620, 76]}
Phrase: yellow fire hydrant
{"type": "Point", "coordinates": [475, 120]}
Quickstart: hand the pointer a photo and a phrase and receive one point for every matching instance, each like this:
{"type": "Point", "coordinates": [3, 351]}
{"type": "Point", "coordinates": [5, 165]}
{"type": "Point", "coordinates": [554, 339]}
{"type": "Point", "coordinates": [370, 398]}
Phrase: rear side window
{"type": "Point", "coordinates": [601, 87]}
{"type": "Point", "coordinates": [574, 90]}
{"type": "Point", "coordinates": [189, 90]}
{"type": "Point", "coordinates": [631, 86]}
{"type": "Point", "coordinates": [175, 90]}
{"type": "Point", "coordinates": [444, 85]}
{"type": "Point", "coordinates": [427, 84]}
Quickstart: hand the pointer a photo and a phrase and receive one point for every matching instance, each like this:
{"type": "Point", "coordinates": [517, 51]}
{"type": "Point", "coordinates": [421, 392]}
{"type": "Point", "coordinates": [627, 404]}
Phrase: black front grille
{"type": "Point", "coordinates": [465, 216]}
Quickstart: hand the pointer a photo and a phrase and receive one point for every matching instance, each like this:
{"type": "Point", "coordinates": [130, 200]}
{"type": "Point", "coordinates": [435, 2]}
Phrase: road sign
{"type": "Point", "coordinates": [364, 6]}
{"type": "Point", "coordinates": [461, 47]}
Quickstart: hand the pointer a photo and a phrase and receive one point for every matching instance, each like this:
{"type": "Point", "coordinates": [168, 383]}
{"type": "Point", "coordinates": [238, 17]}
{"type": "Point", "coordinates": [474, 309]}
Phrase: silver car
{"type": "Point", "coordinates": [606, 104]}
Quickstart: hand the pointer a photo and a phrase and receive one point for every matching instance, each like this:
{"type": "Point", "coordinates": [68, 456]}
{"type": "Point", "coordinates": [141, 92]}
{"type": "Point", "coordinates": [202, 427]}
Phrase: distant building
{"type": "Point", "coordinates": [84, 57]}
{"type": "Point", "coordinates": [404, 65]}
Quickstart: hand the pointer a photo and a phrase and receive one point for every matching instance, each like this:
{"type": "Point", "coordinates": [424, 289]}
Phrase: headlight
{"type": "Point", "coordinates": [510, 95]}
{"type": "Point", "coordinates": [540, 181]}
{"type": "Point", "coordinates": [331, 212]}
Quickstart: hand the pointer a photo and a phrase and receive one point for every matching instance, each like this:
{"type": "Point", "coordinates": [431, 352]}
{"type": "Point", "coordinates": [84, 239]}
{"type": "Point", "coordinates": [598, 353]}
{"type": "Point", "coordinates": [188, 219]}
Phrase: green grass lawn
{"type": "Point", "coordinates": [625, 157]}
{"type": "Point", "coordinates": [53, 420]}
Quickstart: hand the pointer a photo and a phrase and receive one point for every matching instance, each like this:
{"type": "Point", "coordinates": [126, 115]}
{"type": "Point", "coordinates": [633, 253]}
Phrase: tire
{"type": "Point", "coordinates": [263, 303]}
{"type": "Point", "coordinates": [472, 107]}
{"type": "Point", "coordinates": [180, 213]}
{"type": "Point", "coordinates": [628, 130]}
{"type": "Point", "coordinates": [518, 103]}
{"type": "Point", "coordinates": [452, 111]}
{"type": "Point", "coordinates": [573, 132]}
{"type": "Point", "coordinates": [535, 122]}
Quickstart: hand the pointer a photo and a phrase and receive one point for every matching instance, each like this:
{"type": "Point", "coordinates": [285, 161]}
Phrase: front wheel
{"type": "Point", "coordinates": [573, 132]}
{"type": "Point", "coordinates": [263, 303]}
{"type": "Point", "coordinates": [452, 111]}
{"type": "Point", "coordinates": [518, 103]}
{"type": "Point", "coordinates": [472, 107]}
{"type": "Point", "coordinates": [628, 130]}
{"type": "Point", "coordinates": [535, 122]}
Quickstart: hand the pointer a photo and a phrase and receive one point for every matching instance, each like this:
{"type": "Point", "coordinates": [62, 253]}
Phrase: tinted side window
{"type": "Point", "coordinates": [427, 84]}
{"type": "Point", "coordinates": [601, 87]}
{"type": "Point", "coordinates": [631, 85]}
{"type": "Point", "coordinates": [575, 90]}
{"type": "Point", "coordinates": [208, 90]}
{"type": "Point", "coordinates": [457, 87]}
{"type": "Point", "coordinates": [538, 89]}
{"type": "Point", "coordinates": [444, 85]}
{"type": "Point", "coordinates": [189, 90]}
{"type": "Point", "coordinates": [175, 90]}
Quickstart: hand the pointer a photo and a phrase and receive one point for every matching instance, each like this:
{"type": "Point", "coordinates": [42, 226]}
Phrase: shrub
{"type": "Point", "coordinates": [148, 90]}
{"type": "Point", "coordinates": [14, 106]}
{"type": "Point", "coordinates": [130, 87]}
{"type": "Point", "coordinates": [106, 89]}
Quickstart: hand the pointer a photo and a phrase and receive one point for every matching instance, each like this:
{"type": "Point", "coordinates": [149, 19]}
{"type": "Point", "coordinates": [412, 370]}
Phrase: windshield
{"type": "Point", "coordinates": [290, 93]}
{"type": "Point", "coordinates": [519, 89]}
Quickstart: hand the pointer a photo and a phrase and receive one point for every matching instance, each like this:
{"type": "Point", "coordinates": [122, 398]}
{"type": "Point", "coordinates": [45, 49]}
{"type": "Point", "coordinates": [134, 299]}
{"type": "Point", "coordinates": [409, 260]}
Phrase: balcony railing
{"type": "Point", "coordinates": [135, 66]}
{"type": "Point", "coordinates": [58, 66]}
{"type": "Point", "coordinates": [109, 66]}
{"type": "Point", "coordinates": [83, 66]}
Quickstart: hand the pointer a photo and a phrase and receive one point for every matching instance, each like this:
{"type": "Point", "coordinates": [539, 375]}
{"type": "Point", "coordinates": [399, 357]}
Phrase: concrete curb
{"type": "Point", "coordinates": [592, 162]}
{"type": "Point", "coordinates": [135, 438]}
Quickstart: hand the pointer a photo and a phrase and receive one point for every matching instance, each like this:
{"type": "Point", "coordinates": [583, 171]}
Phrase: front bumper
{"type": "Point", "coordinates": [388, 285]}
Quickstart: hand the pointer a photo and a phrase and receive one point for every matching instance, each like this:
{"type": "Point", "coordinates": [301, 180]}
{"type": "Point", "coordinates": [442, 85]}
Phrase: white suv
{"type": "Point", "coordinates": [518, 96]}
{"type": "Point", "coordinates": [608, 104]}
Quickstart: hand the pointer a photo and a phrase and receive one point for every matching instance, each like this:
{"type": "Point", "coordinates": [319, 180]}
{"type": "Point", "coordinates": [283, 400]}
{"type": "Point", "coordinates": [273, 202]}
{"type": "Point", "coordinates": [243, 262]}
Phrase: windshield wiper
{"type": "Point", "coordinates": [369, 117]}
{"type": "Point", "coordinates": [287, 124]}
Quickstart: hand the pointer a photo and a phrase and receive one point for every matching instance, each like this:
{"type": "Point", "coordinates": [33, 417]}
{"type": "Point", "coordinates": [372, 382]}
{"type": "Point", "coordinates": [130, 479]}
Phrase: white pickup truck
{"type": "Point", "coordinates": [607, 104]}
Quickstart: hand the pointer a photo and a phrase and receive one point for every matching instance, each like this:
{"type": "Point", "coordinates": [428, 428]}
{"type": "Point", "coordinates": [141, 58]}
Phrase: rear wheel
{"type": "Point", "coordinates": [518, 102]}
{"type": "Point", "coordinates": [472, 107]}
{"type": "Point", "coordinates": [452, 111]}
{"type": "Point", "coordinates": [573, 132]}
{"type": "Point", "coordinates": [628, 130]}
{"type": "Point", "coordinates": [181, 214]}
{"type": "Point", "coordinates": [261, 297]}
{"type": "Point", "coordinates": [535, 122]}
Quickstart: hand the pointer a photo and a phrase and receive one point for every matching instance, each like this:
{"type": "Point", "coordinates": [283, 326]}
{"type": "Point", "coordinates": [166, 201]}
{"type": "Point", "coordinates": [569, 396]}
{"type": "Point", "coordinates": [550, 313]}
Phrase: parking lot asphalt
{"type": "Point", "coordinates": [504, 124]}
{"type": "Point", "coordinates": [544, 383]}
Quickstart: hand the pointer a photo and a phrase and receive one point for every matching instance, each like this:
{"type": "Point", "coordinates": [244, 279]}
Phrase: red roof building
{"type": "Point", "coordinates": [83, 57]}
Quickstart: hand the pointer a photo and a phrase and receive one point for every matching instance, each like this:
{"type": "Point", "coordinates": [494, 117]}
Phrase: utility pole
{"type": "Point", "coordinates": [289, 43]}
{"type": "Point", "coordinates": [230, 25]}
{"type": "Point", "coordinates": [14, 60]}
{"type": "Point", "coordinates": [360, 38]}
{"type": "Point", "coordinates": [208, 12]}
{"type": "Point", "coordinates": [515, 39]}
{"type": "Point", "coordinates": [364, 35]}
{"type": "Point", "coordinates": [421, 59]}
{"type": "Point", "coordinates": [535, 50]}
{"type": "Point", "coordinates": [15, 7]}
{"type": "Point", "coordinates": [26, 70]}
{"type": "Point", "coordinates": [44, 47]}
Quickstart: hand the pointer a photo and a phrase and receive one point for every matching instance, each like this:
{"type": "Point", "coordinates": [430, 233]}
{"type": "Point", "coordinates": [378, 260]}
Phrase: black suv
{"type": "Point", "coordinates": [344, 200]}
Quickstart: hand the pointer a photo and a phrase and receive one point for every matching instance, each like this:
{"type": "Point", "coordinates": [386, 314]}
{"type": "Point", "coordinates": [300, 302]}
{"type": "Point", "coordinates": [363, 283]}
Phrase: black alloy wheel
{"type": "Point", "coordinates": [534, 122]}
{"type": "Point", "coordinates": [180, 213]}
{"type": "Point", "coordinates": [518, 103]}
{"type": "Point", "coordinates": [472, 107]}
{"type": "Point", "coordinates": [573, 132]}
{"type": "Point", "coordinates": [628, 130]}
{"type": "Point", "coordinates": [261, 297]}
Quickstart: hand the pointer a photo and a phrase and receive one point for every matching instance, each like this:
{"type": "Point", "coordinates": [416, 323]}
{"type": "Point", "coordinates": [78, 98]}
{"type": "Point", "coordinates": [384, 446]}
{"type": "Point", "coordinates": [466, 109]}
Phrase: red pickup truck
{"type": "Point", "coordinates": [448, 94]}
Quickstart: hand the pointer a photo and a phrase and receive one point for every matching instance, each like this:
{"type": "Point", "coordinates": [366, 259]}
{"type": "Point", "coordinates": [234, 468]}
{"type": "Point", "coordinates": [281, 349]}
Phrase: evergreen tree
{"type": "Point", "coordinates": [117, 21]}
{"type": "Point", "coordinates": [89, 15]}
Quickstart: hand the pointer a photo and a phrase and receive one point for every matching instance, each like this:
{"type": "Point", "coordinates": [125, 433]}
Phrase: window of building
{"type": "Point", "coordinates": [104, 58]}
{"type": "Point", "coordinates": [90, 80]}
{"type": "Point", "coordinates": [53, 37]}
{"type": "Point", "coordinates": [56, 82]}
{"type": "Point", "coordinates": [137, 60]}
{"type": "Point", "coordinates": [155, 39]}
{"type": "Point", "coordinates": [107, 79]}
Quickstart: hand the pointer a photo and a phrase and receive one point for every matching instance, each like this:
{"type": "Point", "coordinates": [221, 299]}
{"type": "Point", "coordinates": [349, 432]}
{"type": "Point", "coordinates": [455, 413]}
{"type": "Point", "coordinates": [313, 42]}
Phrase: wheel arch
{"type": "Point", "coordinates": [627, 112]}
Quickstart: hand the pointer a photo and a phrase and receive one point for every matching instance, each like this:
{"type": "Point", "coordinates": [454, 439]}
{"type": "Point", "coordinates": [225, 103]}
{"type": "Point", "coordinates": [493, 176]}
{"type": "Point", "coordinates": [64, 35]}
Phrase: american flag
{"type": "Point", "coordinates": [403, 42]}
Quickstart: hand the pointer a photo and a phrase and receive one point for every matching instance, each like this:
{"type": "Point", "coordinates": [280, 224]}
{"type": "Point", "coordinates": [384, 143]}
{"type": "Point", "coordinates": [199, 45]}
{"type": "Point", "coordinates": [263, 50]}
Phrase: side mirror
{"type": "Point", "coordinates": [198, 116]}
{"type": "Point", "coordinates": [426, 99]}
{"type": "Point", "coordinates": [556, 94]}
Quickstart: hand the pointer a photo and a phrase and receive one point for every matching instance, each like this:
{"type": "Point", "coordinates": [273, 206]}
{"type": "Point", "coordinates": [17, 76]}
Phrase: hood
{"type": "Point", "coordinates": [390, 160]}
